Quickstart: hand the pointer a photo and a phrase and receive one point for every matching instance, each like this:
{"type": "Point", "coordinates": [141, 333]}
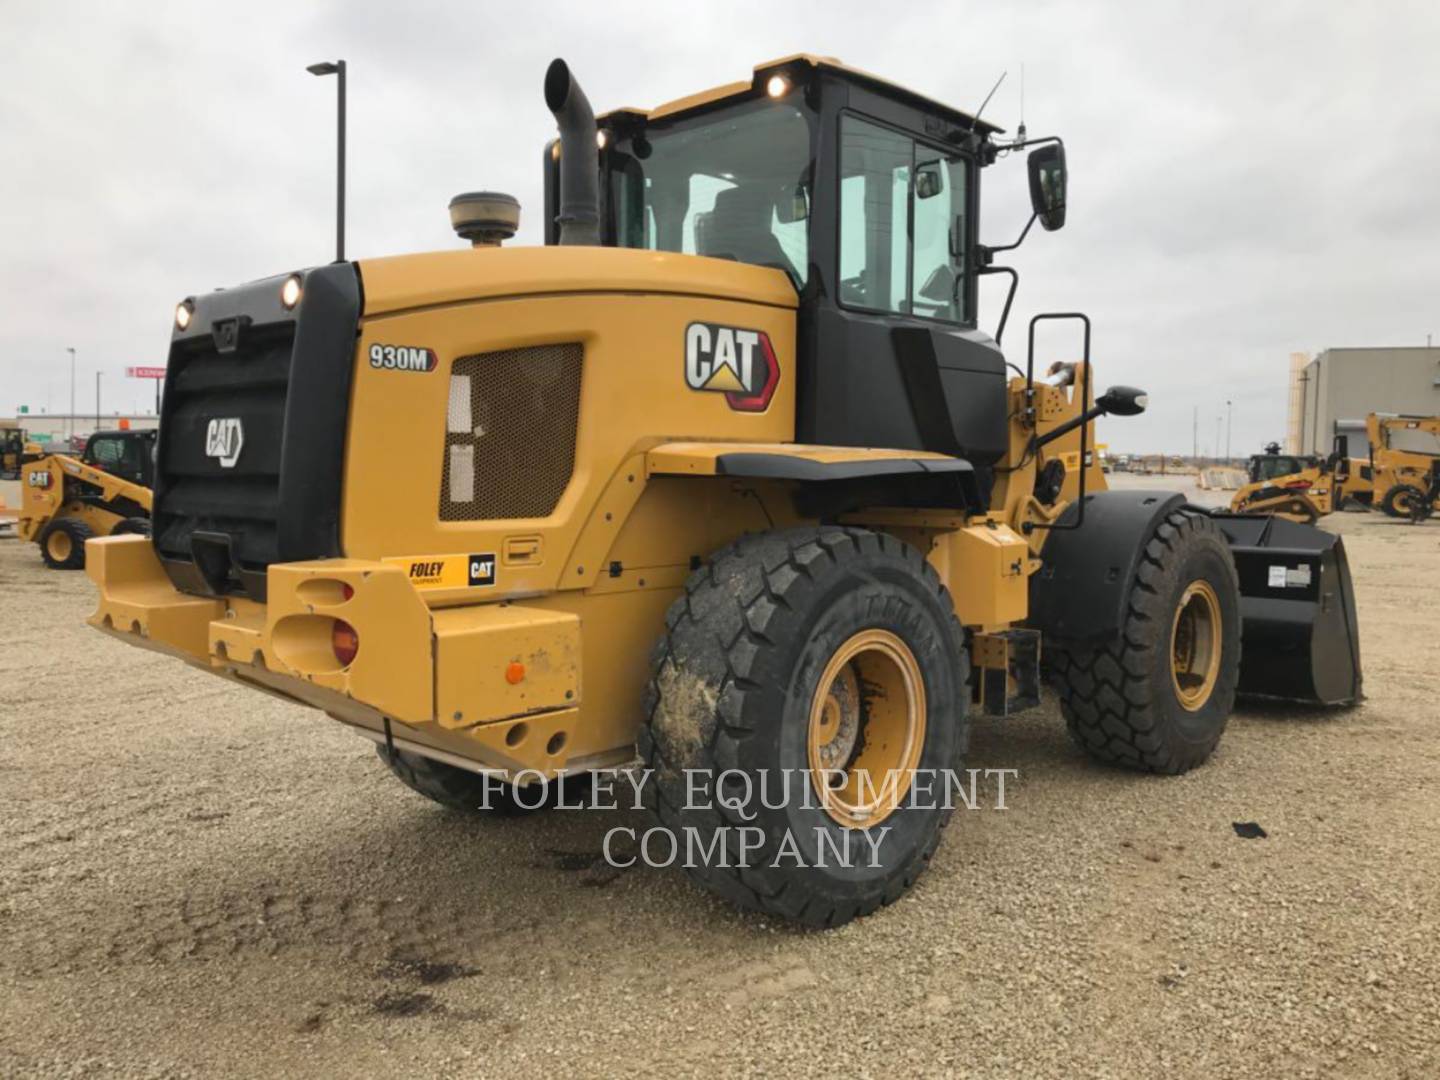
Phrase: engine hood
{"type": "Point", "coordinates": [404, 282]}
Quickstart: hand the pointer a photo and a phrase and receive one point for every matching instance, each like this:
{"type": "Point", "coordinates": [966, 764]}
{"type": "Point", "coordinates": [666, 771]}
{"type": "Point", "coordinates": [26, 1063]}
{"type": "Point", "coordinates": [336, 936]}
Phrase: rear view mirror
{"type": "Point", "coordinates": [792, 206]}
{"type": "Point", "coordinates": [1048, 184]}
{"type": "Point", "coordinates": [928, 183]}
{"type": "Point", "coordinates": [1123, 401]}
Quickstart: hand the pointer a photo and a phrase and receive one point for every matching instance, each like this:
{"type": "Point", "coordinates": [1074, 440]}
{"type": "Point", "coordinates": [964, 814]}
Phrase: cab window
{"type": "Point", "coordinates": [904, 224]}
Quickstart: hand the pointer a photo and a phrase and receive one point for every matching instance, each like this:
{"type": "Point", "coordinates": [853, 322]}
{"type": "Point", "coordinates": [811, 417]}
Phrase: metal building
{"type": "Point", "coordinates": [1340, 387]}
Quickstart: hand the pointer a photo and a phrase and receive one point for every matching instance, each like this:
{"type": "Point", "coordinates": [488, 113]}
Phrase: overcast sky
{"type": "Point", "coordinates": [1247, 179]}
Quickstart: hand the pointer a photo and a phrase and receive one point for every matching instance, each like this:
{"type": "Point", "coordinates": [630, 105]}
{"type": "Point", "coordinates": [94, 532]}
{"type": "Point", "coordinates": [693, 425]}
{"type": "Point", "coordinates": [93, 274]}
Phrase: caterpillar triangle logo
{"type": "Point", "coordinates": [738, 363]}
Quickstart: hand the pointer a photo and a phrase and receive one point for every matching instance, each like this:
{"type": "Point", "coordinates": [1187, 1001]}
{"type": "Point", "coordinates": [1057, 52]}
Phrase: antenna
{"type": "Point", "coordinates": [1020, 131]}
{"type": "Point", "coordinates": [989, 96]}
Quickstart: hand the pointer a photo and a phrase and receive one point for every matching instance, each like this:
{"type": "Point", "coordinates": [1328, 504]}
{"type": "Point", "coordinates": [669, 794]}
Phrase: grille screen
{"type": "Point", "coordinates": [510, 433]}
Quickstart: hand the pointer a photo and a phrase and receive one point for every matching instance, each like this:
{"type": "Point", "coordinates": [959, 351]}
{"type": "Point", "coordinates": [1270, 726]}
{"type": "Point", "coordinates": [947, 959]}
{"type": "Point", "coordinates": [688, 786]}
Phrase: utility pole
{"type": "Point", "coordinates": [1229, 417]}
{"type": "Point", "coordinates": [70, 424]}
{"type": "Point", "coordinates": [1217, 437]}
{"type": "Point", "coordinates": [337, 68]}
{"type": "Point", "coordinates": [97, 400]}
{"type": "Point", "coordinates": [1195, 437]}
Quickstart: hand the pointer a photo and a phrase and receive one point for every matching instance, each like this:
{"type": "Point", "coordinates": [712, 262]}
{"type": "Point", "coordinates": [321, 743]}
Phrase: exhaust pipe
{"type": "Point", "coordinates": [579, 217]}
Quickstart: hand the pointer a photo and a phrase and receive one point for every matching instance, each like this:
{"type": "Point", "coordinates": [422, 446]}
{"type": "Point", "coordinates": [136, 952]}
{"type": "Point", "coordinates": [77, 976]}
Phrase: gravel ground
{"type": "Point", "coordinates": [198, 879]}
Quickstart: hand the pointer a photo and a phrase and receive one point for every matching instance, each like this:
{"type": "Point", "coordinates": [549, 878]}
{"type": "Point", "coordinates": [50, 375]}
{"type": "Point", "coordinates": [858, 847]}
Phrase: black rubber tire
{"type": "Point", "coordinates": [1118, 698]}
{"type": "Point", "coordinates": [457, 788]}
{"type": "Point", "coordinates": [1409, 493]}
{"type": "Point", "coordinates": [135, 526]}
{"type": "Point", "coordinates": [731, 683]}
{"type": "Point", "coordinates": [77, 531]}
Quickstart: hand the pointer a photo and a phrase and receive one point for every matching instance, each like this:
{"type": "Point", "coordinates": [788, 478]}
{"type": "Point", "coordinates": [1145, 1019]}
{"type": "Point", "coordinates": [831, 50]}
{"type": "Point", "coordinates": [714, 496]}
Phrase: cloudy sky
{"type": "Point", "coordinates": [1247, 179]}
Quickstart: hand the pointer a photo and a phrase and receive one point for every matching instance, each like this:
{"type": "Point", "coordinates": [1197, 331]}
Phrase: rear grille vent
{"type": "Point", "coordinates": [510, 433]}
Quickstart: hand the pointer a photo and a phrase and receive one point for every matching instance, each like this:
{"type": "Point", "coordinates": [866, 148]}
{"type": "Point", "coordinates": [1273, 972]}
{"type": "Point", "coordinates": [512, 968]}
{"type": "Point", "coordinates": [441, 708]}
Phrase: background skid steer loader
{"type": "Point", "coordinates": [66, 500]}
{"type": "Point", "coordinates": [725, 475]}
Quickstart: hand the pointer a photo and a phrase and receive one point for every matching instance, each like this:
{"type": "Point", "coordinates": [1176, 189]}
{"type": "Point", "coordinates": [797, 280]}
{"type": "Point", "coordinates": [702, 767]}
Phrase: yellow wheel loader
{"type": "Point", "coordinates": [725, 477]}
{"type": "Point", "coordinates": [1403, 453]}
{"type": "Point", "coordinates": [66, 500]}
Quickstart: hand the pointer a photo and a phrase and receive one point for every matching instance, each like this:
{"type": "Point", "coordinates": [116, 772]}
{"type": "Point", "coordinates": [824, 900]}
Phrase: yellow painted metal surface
{"type": "Point", "coordinates": [494, 661]}
{"type": "Point", "coordinates": [633, 396]}
{"type": "Point", "coordinates": [138, 602]}
{"type": "Point", "coordinates": [404, 282]}
{"type": "Point", "coordinates": [986, 568]}
{"type": "Point", "coordinates": [700, 458]}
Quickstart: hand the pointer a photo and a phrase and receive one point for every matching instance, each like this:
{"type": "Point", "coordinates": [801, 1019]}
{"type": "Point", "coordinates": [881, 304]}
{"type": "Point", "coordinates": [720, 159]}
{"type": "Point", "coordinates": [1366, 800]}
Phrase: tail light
{"type": "Point", "coordinates": [345, 641]}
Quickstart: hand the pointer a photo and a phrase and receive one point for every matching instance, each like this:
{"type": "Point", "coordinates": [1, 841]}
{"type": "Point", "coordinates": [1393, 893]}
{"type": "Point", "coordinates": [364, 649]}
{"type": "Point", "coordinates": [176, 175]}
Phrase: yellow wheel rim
{"type": "Point", "coordinates": [59, 545]}
{"type": "Point", "coordinates": [1195, 645]}
{"type": "Point", "coordinates": [867, 728]}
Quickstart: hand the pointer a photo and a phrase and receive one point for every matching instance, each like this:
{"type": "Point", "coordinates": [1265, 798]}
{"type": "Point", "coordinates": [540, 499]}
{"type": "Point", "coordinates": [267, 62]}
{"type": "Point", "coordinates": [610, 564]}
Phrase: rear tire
{"type": "Point", "coordinates": [460, 789]}
{"type": "Point", "coordinates": [1401, 501]}
{"type": "Point", "coordinates": [829, 645]}
{"type": "Point", "coordinates": [62, 544]}
{"type": "Point", "coordinates": [1158, 698]}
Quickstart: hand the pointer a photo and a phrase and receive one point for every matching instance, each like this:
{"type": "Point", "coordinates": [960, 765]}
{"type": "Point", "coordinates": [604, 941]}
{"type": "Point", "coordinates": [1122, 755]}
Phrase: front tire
{"type": "Point", "coordinates": [1158, 697]}
{"type": "Point", "coordinates": [62, 544]}
{"type": "Point", "coordinates": [819, 673]}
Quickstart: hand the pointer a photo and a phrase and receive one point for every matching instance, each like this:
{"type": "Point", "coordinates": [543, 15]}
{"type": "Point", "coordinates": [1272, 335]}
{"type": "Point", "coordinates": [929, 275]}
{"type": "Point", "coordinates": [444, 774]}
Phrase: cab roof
{"type": "Point", "coordinates": [830, 64]}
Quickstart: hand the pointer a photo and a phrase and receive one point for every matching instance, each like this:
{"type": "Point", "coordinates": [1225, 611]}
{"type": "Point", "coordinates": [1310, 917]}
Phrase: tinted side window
{"type": "Point", "coordinates": [892, 189]}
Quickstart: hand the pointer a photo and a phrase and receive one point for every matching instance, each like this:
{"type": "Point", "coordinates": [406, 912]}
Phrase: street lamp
{"type": "Point", "coordinates": [1229, 416]}
{"type": "Point", "coordinates": [97, 399]}
{"type": "Point", "coordinates": [71, 426]}
{"type": "Point", "coordinates": [337, 68]}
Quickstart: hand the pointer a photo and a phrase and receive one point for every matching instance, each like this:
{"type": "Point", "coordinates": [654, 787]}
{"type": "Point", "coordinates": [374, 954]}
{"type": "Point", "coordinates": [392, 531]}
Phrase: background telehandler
{"type": "Point", "coordinates": [726, 476]}
{"type": "Point", "coordinates": [1403, 453]}
{"type": "Point", "coordinates": [66, 500]}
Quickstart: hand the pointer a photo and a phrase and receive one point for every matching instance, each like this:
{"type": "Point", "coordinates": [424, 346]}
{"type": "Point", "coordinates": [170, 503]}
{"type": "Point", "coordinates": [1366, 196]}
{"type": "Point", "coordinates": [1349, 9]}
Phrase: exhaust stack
{"type": "Point", "coordinates": [579, 217]}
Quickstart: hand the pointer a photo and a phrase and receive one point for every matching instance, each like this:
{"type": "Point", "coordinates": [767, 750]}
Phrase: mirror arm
{"type": "Point", "coordinates": [1032, 142]}
{"type": "Point", "coordinates": [1023, 233]}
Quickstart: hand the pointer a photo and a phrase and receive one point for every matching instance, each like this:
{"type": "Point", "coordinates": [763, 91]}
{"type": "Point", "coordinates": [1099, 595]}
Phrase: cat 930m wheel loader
{"type": "Point", "coordinates": [724, 477]}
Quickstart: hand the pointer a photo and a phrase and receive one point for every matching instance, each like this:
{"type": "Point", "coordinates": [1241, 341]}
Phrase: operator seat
{"type": "Point", "coordinates": [738, 228]}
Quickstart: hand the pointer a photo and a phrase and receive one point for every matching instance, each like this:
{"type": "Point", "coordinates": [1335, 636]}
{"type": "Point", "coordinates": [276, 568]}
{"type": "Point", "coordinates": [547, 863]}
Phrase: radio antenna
{"type": "Point", "coordinates": [988, 97]}
{"type": "Point", "coordinates": [1020, 131]}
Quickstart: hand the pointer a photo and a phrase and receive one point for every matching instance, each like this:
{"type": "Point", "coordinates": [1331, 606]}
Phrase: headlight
{"type": "Point", "coordinates": [183, 313]}
{"type": "Point", "coordinates": [290, 291]}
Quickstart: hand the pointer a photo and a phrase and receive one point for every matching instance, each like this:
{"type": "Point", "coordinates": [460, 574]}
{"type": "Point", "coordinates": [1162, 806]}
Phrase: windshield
{"type": "Point", "coordinates": [733, 186]}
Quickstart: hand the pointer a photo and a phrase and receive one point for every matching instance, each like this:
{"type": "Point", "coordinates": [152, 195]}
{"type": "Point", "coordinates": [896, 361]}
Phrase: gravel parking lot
{"type": "Point", "coordinates": [199, 879]}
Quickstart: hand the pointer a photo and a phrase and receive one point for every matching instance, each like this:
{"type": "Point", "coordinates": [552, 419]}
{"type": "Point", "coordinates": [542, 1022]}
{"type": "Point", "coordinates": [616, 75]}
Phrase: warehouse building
{"type": "Point", "coordinates": [56, 429]}
{"type": "Point", "coordinates": [1333, 393]}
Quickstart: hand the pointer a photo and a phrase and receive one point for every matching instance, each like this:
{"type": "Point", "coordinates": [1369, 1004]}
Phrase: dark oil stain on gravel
{"type": "Point", "coordinates": [403, 1005]}
{"type": "Point", "coordinates": [426, 972]}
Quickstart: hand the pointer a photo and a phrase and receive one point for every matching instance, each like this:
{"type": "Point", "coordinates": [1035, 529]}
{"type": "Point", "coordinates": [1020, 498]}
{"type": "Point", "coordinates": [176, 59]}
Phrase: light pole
{"type": "Point", "coordinates": [70, 426]}
{"type": "Point", "coordinates": [97, 399]}
{"type": "Point", "coordinates": [337, 68]}
{"type": "Point", "coordinates": [1229, 417]}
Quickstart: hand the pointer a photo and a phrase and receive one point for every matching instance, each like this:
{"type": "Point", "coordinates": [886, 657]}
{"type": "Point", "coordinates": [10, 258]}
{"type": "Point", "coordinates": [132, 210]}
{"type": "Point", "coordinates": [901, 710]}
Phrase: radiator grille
{"type": "Point", "coordinates": [510, 433]}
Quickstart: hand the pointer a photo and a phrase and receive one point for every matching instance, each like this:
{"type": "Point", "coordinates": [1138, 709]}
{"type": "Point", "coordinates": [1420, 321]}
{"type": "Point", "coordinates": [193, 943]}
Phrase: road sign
{"type": "Point", "coordinates": [145, 372]}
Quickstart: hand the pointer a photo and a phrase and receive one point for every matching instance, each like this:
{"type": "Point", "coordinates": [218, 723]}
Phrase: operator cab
{"type": "Point", "coordinates": [866, 196]}
{"type": "Point", "coordinates": [129, 455]}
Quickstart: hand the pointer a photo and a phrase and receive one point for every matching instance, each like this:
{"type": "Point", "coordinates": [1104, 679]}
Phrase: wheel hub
{"type": "Point", "coordinates": [1195, 645]}
{"type": "Point", "coordinates": [867, 728]}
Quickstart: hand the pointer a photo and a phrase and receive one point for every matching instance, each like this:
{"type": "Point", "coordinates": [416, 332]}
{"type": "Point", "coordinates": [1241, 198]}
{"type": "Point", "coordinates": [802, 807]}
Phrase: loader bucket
{"type": "Point", "coordinates": [1300, 641]}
